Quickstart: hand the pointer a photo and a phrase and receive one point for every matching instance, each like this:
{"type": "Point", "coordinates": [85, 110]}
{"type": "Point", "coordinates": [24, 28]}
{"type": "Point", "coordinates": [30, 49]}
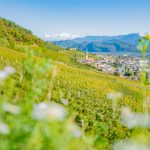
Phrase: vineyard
{"type": "Point", "coordinates": [48, 78]}
{"type": "Point", "coordinates": [86, 91]}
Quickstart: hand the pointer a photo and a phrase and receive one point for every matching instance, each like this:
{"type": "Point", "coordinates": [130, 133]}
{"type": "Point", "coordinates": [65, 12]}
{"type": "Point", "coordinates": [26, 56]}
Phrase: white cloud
{"type": "Point", "coordinates": [61, 36]}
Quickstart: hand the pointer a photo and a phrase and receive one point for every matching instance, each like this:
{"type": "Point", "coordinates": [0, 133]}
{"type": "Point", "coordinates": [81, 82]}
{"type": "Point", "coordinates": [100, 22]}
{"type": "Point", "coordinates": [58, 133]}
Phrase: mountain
{"type": "Point", "coordinates": [121, 43]}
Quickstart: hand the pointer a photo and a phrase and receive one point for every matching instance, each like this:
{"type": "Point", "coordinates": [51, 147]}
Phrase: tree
{"type": "Point", "coordinates": [128, 73]}
{"type": "Point", "coordinates": [116, 73]}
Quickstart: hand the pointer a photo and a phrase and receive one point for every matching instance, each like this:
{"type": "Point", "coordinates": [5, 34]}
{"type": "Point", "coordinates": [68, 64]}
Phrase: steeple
{"type": "Point", "coordinates": [86, 55]}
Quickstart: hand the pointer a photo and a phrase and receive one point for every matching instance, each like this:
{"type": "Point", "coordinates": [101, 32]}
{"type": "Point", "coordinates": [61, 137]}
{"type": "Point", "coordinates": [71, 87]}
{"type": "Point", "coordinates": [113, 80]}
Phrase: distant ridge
{"type": "Point", "coordinates": [121, 43]}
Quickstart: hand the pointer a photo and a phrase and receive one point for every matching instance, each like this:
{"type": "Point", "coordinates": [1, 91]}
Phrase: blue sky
{"type": "Point", "coordinates": [79, 17]}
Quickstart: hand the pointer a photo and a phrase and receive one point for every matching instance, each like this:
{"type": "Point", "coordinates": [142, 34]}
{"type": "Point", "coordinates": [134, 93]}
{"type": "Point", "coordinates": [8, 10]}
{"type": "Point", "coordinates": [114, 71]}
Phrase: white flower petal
{"type": "Point", "coordinates": [132, 120]}
{"type": "Point", "coordinates": [9, 70]}
{"type": "Point", "coordinates": [3, 75]}
{"type": "Point", "coordinates": [11, 108]}
{"type": "Point", "coordinates": [129, 145]}
{"type": "Point", "coordinates": [49, 111]}
{"type": "Point", "coordinates": [74, 129]}
{"type": "Point", "coordinates": [4, 129]}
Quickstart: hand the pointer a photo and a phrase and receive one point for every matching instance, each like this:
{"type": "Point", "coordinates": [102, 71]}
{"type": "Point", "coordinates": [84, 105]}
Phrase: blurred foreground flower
{"type": "Point", "coordinates": [8, 70]}
{"type": "Point", "coordinates": [49, 111]}
{"type": "Point", "coordinates": [130, 145]}
{"type": "Point", "coordinates": [114, 96]}
{"type": "Point", "coordinates": [3, 75]}
{"type": "Point", "coordinates": [11, 108]}
{"type": "Point", "coordinates": [131, 119]}
{"type": "Point", "coordinates": [4, 128]}
{"type": "Point", "coordinates": [74, 129]}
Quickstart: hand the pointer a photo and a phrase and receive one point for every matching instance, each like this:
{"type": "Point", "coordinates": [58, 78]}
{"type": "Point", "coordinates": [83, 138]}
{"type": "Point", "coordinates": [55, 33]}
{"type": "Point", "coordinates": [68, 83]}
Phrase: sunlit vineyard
{"type": "Point", "coordinates": [86, 91]}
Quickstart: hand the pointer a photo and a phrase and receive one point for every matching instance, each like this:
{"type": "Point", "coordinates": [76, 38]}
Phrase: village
{"type": "Point", "coordinates": [123, 66]}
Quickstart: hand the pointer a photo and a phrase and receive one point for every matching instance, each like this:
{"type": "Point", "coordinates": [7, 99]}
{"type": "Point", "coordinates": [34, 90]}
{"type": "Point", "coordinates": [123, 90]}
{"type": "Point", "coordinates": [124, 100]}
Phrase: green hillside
{"type": "Point", "coordinates": [12, 32]}
{"type": "Point", "coordinates": [84, 88]}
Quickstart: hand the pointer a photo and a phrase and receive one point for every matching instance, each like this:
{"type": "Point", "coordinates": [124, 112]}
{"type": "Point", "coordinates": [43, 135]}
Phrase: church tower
{"type": "Point", "coordinates": [86, 55]}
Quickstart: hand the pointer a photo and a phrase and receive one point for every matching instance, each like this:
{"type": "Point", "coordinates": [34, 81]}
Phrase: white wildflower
{"type": "Point", "coordinates": [147, 70]}
{"type": "Point", "coordinates": [49, 111]}
{"type": "Point", "coordinates": [11, 108]}
{"type": "Point", "coordinates": [3, 75]}
{"type": "Point", "coordinates": [64, 101]}
{"type": "Point", "coordinates": [9, 70]}
{"type": "Point", "coordinates": [129, 145]}
{"type": "Point", "coordinates": [75, 130]}
{"type": "Point", "coordinates": [6, 72]}
{"type": "Point", "coordinates": [114, 96]}
{"type": "Point", "coordinates": [4, 129]}
{"type": "Point", "coordinates": [131, 119]}
{"type": "Point", "coordinates": [126, 112]}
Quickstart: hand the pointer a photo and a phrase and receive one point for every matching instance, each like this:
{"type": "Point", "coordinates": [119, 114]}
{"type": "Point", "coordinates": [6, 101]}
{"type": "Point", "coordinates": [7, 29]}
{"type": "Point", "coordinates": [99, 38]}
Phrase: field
{"type": "Point", "coordinates": [86, 91]}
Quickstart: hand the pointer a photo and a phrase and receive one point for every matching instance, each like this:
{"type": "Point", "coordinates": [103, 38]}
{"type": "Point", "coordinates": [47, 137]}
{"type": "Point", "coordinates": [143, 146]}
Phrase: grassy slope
{"type": "Point", "coordinates": [86, 90]}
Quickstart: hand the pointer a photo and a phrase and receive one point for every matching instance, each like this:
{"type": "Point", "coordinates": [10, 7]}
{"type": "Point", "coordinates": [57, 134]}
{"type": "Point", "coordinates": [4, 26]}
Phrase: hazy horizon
{"type": "Point", "coordinates": [83, 36]}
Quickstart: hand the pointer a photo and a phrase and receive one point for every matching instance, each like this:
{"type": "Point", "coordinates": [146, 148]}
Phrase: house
{"type": "Point", "coordinates": [91, 60]}
{"type": "Point", "coordinates": [73, 49]}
